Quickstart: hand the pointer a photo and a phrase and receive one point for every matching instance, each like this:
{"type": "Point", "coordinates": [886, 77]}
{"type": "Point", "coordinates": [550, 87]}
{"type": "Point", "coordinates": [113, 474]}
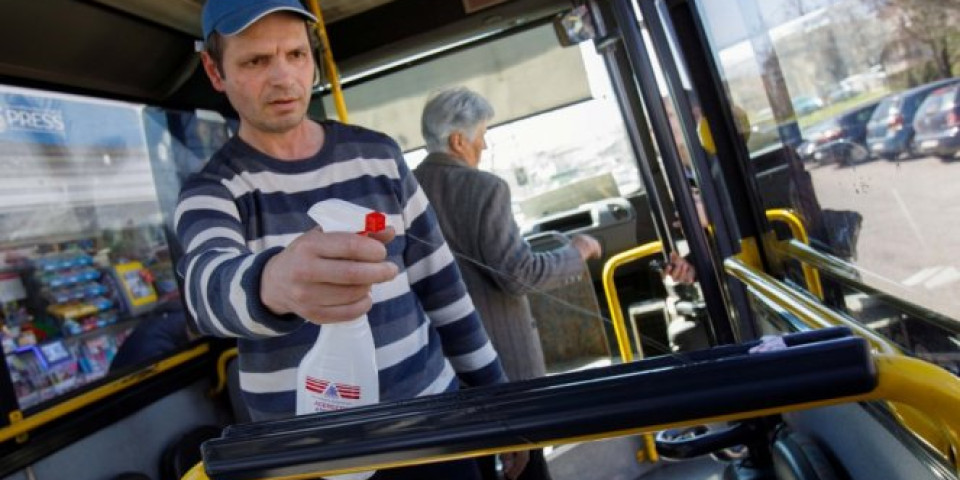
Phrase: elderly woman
{"type": "Point", "coordinates": [473, 208]}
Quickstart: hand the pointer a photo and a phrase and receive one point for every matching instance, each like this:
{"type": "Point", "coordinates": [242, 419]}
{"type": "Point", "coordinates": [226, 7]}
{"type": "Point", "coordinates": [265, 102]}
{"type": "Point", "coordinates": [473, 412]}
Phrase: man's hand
{"type": "Point", "coordinates": [680, 270]}
{"type": "Point", "coordinates": [588, 246]}
{"type": "Point", "coordinates": [326, 277]}
{"type": "Point", "coordinates": [514, 463]}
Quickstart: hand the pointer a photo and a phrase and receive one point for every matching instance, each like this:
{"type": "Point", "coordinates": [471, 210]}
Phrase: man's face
{"type": "Point", "coordinates": [267, 73]}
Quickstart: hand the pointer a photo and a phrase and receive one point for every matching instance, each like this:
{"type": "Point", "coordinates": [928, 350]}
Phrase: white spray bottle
{"type": "Point", "coordinates": [340, 370]}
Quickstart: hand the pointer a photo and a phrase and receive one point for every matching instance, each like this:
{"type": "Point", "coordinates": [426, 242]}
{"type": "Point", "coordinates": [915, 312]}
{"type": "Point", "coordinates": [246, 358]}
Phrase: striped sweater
{"type": "Point", "coordinates": [244, 207]}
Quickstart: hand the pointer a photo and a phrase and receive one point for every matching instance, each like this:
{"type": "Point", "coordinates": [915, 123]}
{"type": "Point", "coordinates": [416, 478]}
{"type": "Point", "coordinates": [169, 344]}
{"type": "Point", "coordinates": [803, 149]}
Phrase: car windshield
{"type": "Point", "coordinates": [858, 116]}
{"type": "Point", "coordinates": [938, 101]}
{"type": "Point", "coordinates": [887, 108]}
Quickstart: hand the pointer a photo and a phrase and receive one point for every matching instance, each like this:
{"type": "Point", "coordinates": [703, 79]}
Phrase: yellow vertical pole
{"type": "Point", "coordinates": [333, 76]}
{"type": "Point", "coordinates": [810, 274]}
{"type": "Point", "coordinates": [649, 451]}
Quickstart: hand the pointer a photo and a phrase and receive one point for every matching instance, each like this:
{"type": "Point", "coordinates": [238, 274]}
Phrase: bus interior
{"type": "Point", "coordinates": [796, 152]}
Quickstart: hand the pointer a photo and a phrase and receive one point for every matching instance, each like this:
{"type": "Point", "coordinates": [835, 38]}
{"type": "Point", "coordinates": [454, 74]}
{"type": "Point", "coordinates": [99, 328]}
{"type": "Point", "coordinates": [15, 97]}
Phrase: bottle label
{"type": "Point", "coordinates": [326, 396]}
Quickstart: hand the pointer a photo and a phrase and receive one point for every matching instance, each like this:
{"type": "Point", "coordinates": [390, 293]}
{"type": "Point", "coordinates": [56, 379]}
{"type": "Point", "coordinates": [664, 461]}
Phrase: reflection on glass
{"type": "Point", "coordinates": [541, 156]}
{"type": "Point", "coordinates": [87, 283]}
{"type": "Point", "coordinates": [834, 93]}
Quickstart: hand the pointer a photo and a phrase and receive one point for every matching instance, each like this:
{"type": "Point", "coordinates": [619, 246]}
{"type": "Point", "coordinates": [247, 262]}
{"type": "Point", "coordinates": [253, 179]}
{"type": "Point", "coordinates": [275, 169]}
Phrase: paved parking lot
{"type": "Point", "coordinates": [911, 223]}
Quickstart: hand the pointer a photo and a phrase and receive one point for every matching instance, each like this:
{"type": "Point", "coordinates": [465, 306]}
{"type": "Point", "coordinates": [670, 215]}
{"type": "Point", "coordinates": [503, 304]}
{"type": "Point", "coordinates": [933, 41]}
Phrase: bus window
{"type": "Point", "coordinates": [540, 141]}
{"type": "Point", "coordinates": [562, 148]}
{"type": "Point", "coordinates": [832, 91]}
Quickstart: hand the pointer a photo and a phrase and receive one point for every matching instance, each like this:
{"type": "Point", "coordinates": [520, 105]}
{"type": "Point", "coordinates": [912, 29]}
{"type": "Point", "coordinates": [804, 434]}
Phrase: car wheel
{"type": "Point", "coordinates": [858, 153]}
{"type": "Point", "coordinates": [911, 149]}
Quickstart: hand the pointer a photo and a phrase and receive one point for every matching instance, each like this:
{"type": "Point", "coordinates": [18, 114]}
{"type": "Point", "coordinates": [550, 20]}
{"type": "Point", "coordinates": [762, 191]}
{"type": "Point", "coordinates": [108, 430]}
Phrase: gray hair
{"type": "Point", "coordinates": [451, 111]}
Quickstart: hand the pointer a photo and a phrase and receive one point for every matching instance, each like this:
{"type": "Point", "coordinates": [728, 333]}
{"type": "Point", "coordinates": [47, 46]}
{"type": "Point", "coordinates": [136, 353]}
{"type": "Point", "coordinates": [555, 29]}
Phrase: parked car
{"type": "Point", "coordinates": [839, 139]}
{"type": "Point", "coordinates": [840, 94]}
{"type": "Point", "coordinates": [890, 131]}
{"type": "Point", "coordinates": [937, 123]}
{"type": "Point", "coordinates": [806, 104]}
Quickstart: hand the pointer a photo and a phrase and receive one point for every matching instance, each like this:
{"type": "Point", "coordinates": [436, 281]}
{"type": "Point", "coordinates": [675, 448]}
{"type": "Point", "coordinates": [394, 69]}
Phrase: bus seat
{"type": "Point", "coordinates": [798, 457]}
{"type": "Point", "coordinates": [184, 452]}
{"type": "Point", "coordinates": [132, 476]}
{"type": "Point", "coordinates": [571, 326]}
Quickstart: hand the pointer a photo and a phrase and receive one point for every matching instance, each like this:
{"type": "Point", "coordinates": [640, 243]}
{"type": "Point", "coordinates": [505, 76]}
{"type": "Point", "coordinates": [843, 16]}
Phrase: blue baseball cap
{"type": "Point", "coordinates": [230, 17]}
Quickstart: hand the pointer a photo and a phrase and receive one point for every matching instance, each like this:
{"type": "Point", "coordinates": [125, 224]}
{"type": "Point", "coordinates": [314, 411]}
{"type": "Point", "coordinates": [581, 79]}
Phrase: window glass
{"type": "Point", "coordinates": [558, 159]}
{"type": "Point", "coordinates": [517, 74]}
{"type": "Point", "coordinates": [568, 164]}
{"type": "Point", "coordinates": [832, 90]}
{"type": "Point", "coordinates": [87, 283]}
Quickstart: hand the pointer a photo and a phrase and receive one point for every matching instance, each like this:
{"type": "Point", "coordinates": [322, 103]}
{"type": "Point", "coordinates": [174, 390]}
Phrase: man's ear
{"type": "Point", "coordinates": [213, 73]}
{"type": "Point", "coordinates": [455, 142]}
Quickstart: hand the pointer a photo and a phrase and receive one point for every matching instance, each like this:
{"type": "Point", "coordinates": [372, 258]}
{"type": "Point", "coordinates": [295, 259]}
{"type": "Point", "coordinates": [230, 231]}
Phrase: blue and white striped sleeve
{"type": "Point", "coordinates": [221, 276]}
{"type": "Point", "coordinates": [435, 279]}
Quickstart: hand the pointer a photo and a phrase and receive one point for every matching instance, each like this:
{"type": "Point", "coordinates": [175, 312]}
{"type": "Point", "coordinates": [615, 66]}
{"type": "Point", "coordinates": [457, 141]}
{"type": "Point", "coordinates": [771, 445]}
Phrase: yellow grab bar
{"type": "Point", "coordinates": [810, 311]}
{"type": "Point", "coordinates": [21, 427]}
{"type": "Point", "coordinates": [225, 357]}
{"type": "Point", "coordinates": [909, 404]}
{"type": "Point", "coordinates": [196, 472]}
{"type": "Point", "coordinates": [810, 274]}
{"type": "Point", "coordinates": [613, 300]}
{"type": "Point", "coordinates": [649, 450]}
{"type": "Point", "coordinates": [333, 76]}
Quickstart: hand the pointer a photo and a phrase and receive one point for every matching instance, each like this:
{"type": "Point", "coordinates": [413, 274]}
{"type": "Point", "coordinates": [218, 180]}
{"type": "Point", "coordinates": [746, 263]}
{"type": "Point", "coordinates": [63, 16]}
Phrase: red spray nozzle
{"type": "Point", "coordinates": [374, 222]}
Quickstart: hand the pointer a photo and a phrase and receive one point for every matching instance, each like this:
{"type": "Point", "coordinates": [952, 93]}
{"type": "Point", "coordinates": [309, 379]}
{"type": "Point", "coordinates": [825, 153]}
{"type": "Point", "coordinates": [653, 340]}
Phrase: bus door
{"type": "Point", "coordinates": [822, 163]}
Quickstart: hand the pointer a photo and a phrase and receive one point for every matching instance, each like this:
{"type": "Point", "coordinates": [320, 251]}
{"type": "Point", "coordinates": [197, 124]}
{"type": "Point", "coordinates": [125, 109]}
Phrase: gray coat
{"type": "Point", "coordinates": [499, 267]}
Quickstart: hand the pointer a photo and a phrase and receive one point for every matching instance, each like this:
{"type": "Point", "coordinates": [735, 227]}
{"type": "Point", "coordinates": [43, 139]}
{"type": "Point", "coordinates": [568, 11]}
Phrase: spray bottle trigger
{"type": "Point", "coordinates": [374, 222]}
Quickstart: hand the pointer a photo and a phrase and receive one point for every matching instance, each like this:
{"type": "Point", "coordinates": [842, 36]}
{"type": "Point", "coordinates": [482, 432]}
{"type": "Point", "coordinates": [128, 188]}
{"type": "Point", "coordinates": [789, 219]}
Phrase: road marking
{"type": "Point", "coordinates": [921, 276]}
{"type": "Point", "coordinates": [909, 218]}
{"type": "Point", "coordinates": [944, 277]}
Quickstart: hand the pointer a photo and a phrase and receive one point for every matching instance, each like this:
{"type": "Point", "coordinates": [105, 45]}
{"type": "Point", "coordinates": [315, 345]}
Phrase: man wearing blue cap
{"type": "Point", "coordinates": [256, 266]}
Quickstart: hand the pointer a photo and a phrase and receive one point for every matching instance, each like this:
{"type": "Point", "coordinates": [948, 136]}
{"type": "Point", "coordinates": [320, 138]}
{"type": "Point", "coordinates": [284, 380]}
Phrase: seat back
{"type": "Point", "coordinates": [798, 457]}
{"type": "Point", "coordinates": [568, 317]}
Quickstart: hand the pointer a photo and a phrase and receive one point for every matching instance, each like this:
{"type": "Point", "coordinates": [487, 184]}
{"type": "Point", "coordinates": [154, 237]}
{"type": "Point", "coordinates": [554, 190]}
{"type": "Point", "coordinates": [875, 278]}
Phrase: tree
{"type": "Point", "coordinates": [932, 24]}
{"type": "Point", "coordinates": [796, 8]}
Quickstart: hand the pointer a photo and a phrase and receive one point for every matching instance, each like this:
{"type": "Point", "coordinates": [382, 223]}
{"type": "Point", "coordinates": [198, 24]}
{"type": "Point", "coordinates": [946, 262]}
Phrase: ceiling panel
{"type": "Point", "coordinates": [334, 10]}
{"type": "Point", "coordinates": [184, 15]}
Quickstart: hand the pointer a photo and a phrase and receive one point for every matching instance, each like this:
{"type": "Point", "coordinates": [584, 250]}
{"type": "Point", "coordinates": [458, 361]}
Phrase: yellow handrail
{"type": "Point", "coordinates": [27, 424]}
{"type": "Point", "coordinates": [808, 310]}
{"type": "Point", "coordinates": [810, 274]}
{"type": "Point", "coordinates": [225, 357]}
{"type": "Point", "coordinates": [912, 406]}
{"type": "Point", "coordinates": [613, 300]}
{"type": "Point", "coordinates": [196, 473]}
{"type": "Point", "coordinates": [333, 76]}
{"type": "Point", "coordinates": [649, 450]}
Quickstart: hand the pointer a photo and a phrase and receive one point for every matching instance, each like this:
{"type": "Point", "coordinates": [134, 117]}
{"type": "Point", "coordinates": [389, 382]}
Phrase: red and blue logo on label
{"type": "Point", "coordinates": [333, 390]}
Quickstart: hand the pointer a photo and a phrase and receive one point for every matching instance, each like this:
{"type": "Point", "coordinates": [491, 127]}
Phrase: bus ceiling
{"type": "Point", "coordinates": [144, 50]}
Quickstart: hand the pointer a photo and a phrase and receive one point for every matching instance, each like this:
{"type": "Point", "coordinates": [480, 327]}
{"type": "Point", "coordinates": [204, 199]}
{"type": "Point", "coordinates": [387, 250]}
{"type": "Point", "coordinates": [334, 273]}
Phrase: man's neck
{"type": "Point", "coordinates": [450, 156]}
{"type": "Point", "coordinates": [303, 141]}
